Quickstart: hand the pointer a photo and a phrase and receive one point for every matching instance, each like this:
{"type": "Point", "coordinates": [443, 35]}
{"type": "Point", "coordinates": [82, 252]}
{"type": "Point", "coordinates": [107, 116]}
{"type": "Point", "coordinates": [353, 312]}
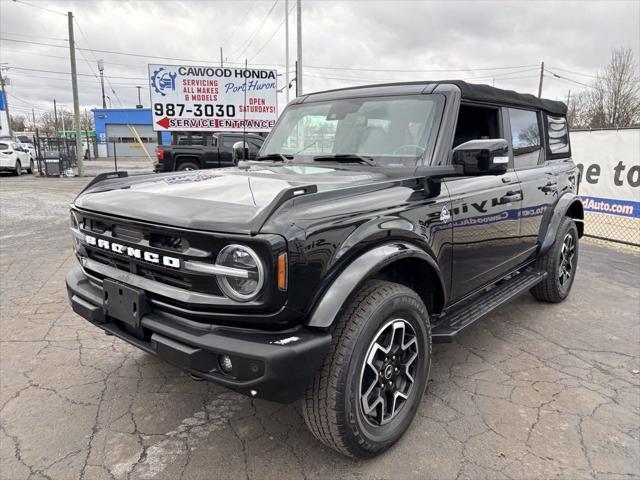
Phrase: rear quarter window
{"type": "Point", "coordinates": [558, 145]}
{"type": "Point", "coordinates": [4, 146]}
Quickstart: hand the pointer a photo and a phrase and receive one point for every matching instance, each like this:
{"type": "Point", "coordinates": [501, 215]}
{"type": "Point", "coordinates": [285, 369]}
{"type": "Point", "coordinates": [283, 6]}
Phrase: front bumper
{"type": "Point", "coordinates": [274, 366]}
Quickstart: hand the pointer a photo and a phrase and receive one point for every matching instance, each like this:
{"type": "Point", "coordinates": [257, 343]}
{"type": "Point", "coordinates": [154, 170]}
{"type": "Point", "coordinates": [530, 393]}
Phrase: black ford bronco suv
{"type": "Point", "coordinates": [375, 221]}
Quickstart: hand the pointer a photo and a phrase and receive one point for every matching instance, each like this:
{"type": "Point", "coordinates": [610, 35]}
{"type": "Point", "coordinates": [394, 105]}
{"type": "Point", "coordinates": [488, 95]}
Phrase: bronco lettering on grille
{"type": "Point", "coordinates": [133, 252]}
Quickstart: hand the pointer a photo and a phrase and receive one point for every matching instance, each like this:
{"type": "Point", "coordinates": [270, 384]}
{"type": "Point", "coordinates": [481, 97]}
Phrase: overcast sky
{"type": "Point", "coordinates": [343, 42]}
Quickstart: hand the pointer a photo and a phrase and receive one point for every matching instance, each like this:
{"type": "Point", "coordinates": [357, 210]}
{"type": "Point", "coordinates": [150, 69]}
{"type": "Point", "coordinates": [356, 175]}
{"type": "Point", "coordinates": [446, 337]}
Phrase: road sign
{"type": "Point", "coordinates": [187, 97]}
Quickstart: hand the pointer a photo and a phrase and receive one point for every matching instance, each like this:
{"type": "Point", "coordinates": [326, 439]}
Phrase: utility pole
{"type": "Point", "coordinates": [76, 100]}
{"type": "Point", "coordinates": [101, 69]}
{"type": "Point", "coordinates": [139, 101]}
{"type": "Point", "coordinates": [299, 65]}
{"type": "Point", "coordinates": [55, 115]}
{"type": "Point", "coordinates": [6, 105]}
{"type": "Point", "coordinates": [33, 117]}
{"type": "Point", "coordinates": [541, 78]}
{"type": "Point", "coordinates": [286, 48]}
{"type": "Point", "coordinates": [221, 61]}
{"type": "Point", "coordinates": [568, 98]}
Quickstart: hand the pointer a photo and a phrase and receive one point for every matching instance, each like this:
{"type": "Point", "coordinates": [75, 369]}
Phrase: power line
{"type": "Point", "coordinates": [27, 52]}
{"type": "Point", "coordinates": [272, 35]}
{"type": "Point", "coordinates": [23, 101]}
{"type": "Point", "coordinates": [39, 7]}
{"type": "Point", "coordinates": [319, 67]}
{"type": "Point", "coordinates": [574, 72]}
{"type": "Point", "coordinates": [230, 36]}
{"type": "Point", "coordinates": [138, 55]}
{"type": "Point", "coordinates": [57, 39]}
{"type": "Point", "coordinates": [253, 35]}
{"type": "Point", "coordinates": [569, 79]}
{"type": "Point", "coordinates": [68, 73]}
{"type": "Point", "coordinates": [65, 80]}
{"type": "Point", "coordinates": [399, 70]}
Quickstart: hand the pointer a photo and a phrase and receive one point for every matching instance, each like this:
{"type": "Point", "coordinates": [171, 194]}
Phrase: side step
{"type": "Point", "coordinates": [471, 311]}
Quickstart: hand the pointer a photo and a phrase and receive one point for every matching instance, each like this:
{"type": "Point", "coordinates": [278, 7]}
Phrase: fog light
{"type": "Point", "coordinates": [225, 363]}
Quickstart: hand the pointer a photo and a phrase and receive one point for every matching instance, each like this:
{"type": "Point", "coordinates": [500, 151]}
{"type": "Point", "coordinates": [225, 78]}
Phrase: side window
{"type": "Point", "coordinates": [525, 137]}
{"type": "Point", "coordinates": [228, 142]}
{"type": "Point", "coordinates": [558, 136]}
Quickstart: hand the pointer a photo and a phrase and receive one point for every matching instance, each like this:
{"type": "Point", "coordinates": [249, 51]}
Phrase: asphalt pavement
{"type": "Point", "coordinates": [531, 391]}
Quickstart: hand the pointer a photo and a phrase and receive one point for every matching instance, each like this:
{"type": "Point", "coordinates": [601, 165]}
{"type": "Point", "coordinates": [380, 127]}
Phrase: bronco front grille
{"type": "Point", "coordinates": [158, 241]}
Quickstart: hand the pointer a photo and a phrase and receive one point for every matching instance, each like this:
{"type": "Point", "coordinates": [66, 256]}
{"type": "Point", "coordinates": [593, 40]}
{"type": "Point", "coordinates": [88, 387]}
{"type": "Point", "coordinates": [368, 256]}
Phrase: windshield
{"type": "Point", "coordinates": [393, 130]}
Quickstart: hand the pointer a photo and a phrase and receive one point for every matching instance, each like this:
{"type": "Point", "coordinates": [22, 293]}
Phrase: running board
{"type": "Point", "coordinates": [453, 322]}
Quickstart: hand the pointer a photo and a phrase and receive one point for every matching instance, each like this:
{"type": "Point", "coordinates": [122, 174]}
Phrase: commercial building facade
{"type": "Point", "coordinates": [116, 129]}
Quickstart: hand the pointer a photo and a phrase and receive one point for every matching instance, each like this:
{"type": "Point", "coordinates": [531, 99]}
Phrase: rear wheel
{"type": "Point", "coordinates": [18, 170]}
{"type": "Point", "coordinates": [187, 166]}
{"type": "Point", "coordinates": [368, 390]}
{"type": "Point", "coordinates": [560, 263]}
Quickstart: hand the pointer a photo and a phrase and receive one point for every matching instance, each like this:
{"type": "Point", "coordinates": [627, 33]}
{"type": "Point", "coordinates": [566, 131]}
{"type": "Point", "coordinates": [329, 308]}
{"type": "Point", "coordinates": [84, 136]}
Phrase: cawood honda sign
{"type": "Point", "coordinates": [186, 97]}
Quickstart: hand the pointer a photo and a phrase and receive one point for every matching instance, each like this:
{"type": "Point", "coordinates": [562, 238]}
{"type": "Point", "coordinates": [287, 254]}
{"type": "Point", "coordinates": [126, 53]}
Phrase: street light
{"type": "Point", "coordinates": [101, 69]}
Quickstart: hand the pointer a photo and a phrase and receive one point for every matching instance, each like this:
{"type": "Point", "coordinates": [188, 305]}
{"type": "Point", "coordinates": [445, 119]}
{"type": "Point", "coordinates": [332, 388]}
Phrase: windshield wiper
{"type": "Point", "coordinates": [345, 157]}
{"type": "Point", "coordinates": [275, 156]}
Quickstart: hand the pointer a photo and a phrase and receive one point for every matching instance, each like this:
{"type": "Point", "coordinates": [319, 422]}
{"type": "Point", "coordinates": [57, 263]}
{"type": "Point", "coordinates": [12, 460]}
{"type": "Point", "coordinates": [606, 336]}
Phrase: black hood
{"type": "Point", "coordinates": [234, 200]}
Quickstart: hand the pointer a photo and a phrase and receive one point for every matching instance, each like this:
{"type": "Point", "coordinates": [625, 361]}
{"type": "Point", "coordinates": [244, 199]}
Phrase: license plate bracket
{"type": "Point", "coordinates": [124, 303]}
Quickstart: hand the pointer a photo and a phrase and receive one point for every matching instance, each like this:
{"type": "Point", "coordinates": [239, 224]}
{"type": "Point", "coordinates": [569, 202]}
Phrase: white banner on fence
{"type": "Point", "coordinates": [187, 97]}
{"type": "Point", "coordinates": [610, 164]}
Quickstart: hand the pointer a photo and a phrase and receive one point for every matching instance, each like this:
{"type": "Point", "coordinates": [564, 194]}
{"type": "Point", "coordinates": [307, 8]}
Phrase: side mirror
{"type": "Point", "coordinates": [482, 157]}
{"type": "Point", "coordinates": [240, 151]}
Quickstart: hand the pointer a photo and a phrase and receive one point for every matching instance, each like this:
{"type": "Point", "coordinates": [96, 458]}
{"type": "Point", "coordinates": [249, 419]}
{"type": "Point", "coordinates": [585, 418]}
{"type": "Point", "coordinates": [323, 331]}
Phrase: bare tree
{"type": "Point", "coordinates": [18, 123]}
{"type": "Point", "coordinates": [614, 100]}
{"type": "Point", "coordinates": [578, 113]}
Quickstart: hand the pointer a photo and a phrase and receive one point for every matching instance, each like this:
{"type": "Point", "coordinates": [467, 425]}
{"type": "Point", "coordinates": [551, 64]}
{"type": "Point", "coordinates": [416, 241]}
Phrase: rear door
{"type": "Point", "coordinates": [226, 150]}
{"type": "Point", "coordinates": [538, 178]}
{"type": "Point", "coordinates": [211, 155]}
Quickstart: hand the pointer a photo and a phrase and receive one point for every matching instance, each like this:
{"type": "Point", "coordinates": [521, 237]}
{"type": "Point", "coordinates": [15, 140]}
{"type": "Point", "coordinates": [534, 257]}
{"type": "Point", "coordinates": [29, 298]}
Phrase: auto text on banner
{"type": "Point", "coordinates": [609, 161]}
{"type": "Point", "coordinates": [195, 98]}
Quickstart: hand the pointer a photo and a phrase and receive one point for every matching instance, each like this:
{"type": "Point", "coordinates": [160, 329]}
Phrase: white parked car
{"type": "Point", "coordinates": [31, 150]}
{"type": "Point", "coordinates": [14, 157]}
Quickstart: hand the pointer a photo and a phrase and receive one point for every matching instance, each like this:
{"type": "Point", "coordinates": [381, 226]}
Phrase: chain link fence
{"type": "Point", "coordinates": [612, 228]}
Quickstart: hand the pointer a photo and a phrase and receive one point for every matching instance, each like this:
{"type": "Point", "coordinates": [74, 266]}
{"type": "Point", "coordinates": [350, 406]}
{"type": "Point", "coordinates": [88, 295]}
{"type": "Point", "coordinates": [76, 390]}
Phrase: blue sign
{"type": "Point", "coordinates": [162, 80]}
{"type": "Point", "coordinates": [1, 102]}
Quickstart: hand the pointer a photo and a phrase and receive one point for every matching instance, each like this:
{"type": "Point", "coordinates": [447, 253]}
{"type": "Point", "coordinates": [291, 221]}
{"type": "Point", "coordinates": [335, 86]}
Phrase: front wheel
{"type": "Point", "coordinates": [560, 263]}
{"type": "Point", "coordinates": [18, 170]}
{"type": "Point", "coordinates": [367, 392]}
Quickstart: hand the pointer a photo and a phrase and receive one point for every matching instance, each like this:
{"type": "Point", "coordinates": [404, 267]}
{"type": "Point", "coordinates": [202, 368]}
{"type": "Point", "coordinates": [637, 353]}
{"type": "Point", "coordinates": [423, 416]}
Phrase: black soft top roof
{"type": "Point", "coordinates": [487, 93]}
{"type": "Point", "coordinates": [470, 91]}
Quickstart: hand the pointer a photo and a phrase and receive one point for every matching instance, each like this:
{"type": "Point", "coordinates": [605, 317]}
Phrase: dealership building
{"type": "Point", "coordinates": [115, 130]}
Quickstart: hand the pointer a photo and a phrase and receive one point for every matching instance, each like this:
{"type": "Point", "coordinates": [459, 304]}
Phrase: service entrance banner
{"type": "Point", "coordinates": [187, 97]}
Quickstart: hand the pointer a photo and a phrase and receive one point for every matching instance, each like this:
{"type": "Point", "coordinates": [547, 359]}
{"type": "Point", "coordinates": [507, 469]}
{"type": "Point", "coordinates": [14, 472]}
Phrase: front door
{"type": "Point", "coordinates": [485, 229]}
{"type": "Point", "coordinates": [485, 209]}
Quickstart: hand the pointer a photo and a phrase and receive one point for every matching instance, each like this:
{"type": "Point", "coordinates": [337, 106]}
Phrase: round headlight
{"type": "Point", "coordinates": [238, 285]}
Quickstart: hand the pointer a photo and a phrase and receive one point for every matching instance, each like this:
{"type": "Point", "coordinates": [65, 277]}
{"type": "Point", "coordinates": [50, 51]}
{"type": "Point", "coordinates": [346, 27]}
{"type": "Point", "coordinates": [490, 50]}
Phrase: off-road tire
{"type": "Point", "coordinates": [331, 406]}
{"type": "Point", "coordinates": [187, 166]}
{"type": "Point", "coordinates": [550, 289]}
{"type": "Point", "coordinates": [18, 170]}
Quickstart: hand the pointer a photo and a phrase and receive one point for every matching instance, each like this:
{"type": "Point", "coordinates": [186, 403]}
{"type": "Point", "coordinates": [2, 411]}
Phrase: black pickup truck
{"type": "Point", "coordinates": [210, 151]}
{"type": "Point", "coordinates": [375, 221]}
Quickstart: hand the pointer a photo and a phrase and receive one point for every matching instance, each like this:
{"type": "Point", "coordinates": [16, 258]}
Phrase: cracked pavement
{"type": "Point", "coordinates": [531, 391]}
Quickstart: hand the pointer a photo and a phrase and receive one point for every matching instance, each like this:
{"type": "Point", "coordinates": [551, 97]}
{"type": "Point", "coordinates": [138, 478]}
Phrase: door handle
{"type": "Point", "coordinates": [511, 197]}
{"type": "Point", "coordinates": [506, 179]}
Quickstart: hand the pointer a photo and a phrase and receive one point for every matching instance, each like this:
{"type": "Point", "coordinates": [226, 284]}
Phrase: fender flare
{"type": "Point", "coordinates": [363, 267]}
{"type": "Point", "coordinates": [562, 206]}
